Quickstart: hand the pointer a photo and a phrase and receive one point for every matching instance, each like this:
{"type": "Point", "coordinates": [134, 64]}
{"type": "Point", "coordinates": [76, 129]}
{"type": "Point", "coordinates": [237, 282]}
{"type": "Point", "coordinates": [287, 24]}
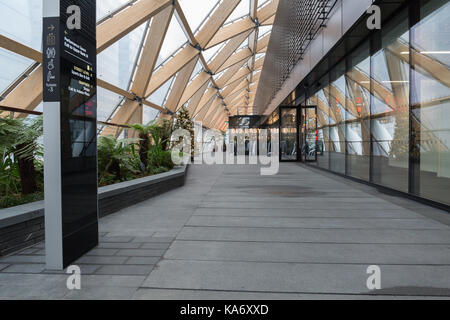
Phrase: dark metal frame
{"type": "Point", "coordinates": [303, 122]}
{"type": "Point", "coordinates": [280, 122]}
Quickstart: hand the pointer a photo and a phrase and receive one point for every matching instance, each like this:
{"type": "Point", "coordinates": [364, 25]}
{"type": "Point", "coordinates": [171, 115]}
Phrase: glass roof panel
{"type": "Point", "coordinates": [116, 63]}
{"type": "Point", "coordinates": [196, 11]}
{"type": "Point", "coordinates": [105, 7]}
{"type": "Point", "coordinates": [259, 55]}
{"type": "Point", "coordinates": [106, 102]}
{"type": "Point", "coordinates": [159, 95]}
{"type": "Point", "coordinates": [149, 114]}
{"type": "Point", "coordinates": [11, 65]}
{"type": "Point", "coordinates": [211, 52]}
{"type": "Point", "coordinates": [175, 38]}
{"type": "Point", "coordinates": [21, 20]}
{"type": "Point", "coordinates": [264, 29]}
{"type": "Point", "coordinates": [197, 70]}
{"type": "Point", "coordinates": [241, 10]}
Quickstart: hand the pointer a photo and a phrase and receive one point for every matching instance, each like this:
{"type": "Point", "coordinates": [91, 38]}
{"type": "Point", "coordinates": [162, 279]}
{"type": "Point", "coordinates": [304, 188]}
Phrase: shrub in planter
{"type": "Point", "coordinates": [19, 168]}
{"type": "Point", "coordinates": [117, 160]}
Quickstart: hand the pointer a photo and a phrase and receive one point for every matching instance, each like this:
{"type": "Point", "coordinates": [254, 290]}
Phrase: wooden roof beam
{"type": "Point", "coordinates": [195, 100]}
{"type": "Point", "coordinates": [184, 24]}
{"type": "Point", "coordinates": [167, 71]}
{"type": "Point", "coordinates": [231, 31]}
{"type": "Point", "coordinates": [268, 11]}
{"type": "Point", "coordinates": [227, 51]}
{"type": "Point", "coordinates": [180, 86]}
{"type": "Point", "coordinates": [129, 19]}
{"type": "Point", "coordinates": [152, 48]}
{"type": "Point", "coordinates": [215, 22]}
{"type": "Point", "coordinates": [193, 87]}
{"type": "Point", "coordinates": [239, 56]}
{"type": "Point", "coordinates": [20, 49]}
{"type": "Point", "coordinates": [254, 9]}
{"type": "Point", "coordinates": [227, 75]}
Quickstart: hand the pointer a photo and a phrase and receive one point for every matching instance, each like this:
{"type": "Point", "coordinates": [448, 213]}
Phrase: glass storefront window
{"type": "Point", "coordinates": [383, 111]}
{"type": "Point", "coordinates": [431, 101]}
{"type": "Point", "coordinates": [323, 124]}
{"type": "Point", "coordinates": [390, 106]}
{"type": "Point", "coordinates": [337, 114]}
{"type": "Point", "coordinates": [357, 106]}
{"type": "Point", "coordinates": [288, 136]}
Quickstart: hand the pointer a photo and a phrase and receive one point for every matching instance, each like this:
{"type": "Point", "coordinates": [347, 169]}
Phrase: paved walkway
{"type": "Point", "coordinates": [233, 234]}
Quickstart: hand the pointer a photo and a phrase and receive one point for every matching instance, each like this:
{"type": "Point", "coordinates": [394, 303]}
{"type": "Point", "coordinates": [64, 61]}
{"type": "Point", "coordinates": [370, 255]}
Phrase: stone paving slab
{"type": "Point", "coordinates": [147, 251]}
{"type": "Point", "coordinates": [116, 245]}
{"type": "Point", "coordinates": [25, 268]}
{"type": "Point", "coordinates": [23, 259]}
{"type": "Point", "coordinates": [30, 251]}
{"type": "Point", "coordinates": [315, 235]}
{"type": "Point", "coordinates": [101, 293]}
{"type": "Point", "coordinates": [330, 223]}
{"type": "Point", "coordinates": [102, 252]}
{"type": "Point", "coordinates": [293, 205]}
{"type": "Point", "coordinates": [101, 260]}
{"type": "Point", "coordinates": [140, 270]}
{"type": "Point", "coordinates": [153, 239]}
{"type": "Point", "coordinates": [109, 258]}
{"type": "Point", "coordinates": [168, 294]}
{"type": "Point", "coordinates": [143, 260]}
{"type": "Point", "coordinates": [86, 269]}
{"type": "Point", "coordinates": [370, 254]}
{"type": "Point", "coordinates": [156, 245]}
{"type": "Point", "coordinates": [140, 252]}
{"type": "Point", "coordinates": [309, 213]}
{"type": "Point", "coordinates": [43, 291]}
{"type": "Point", "coordinates": [294, 278]}
{"type": "Point", "coordinates": [116, 239]}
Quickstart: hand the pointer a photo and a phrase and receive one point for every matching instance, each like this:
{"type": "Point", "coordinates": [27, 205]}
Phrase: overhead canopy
{"type": "Point", "coordinates": [205, 55]}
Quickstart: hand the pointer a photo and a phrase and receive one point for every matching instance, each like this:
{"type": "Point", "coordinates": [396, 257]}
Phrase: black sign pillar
{"type": "Point", "coordinates": [70, 130]}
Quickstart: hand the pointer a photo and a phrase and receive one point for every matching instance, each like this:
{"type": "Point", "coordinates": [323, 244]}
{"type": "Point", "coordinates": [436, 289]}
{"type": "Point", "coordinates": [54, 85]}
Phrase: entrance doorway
{"type": "Point", "coordinates": [289, 140]}
{"type": "Point", "coordinates": [308, 134]}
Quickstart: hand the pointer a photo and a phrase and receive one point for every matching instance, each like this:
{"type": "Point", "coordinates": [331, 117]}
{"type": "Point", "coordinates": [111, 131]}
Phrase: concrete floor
{"type": "Point", "coordinates": [234, 234]}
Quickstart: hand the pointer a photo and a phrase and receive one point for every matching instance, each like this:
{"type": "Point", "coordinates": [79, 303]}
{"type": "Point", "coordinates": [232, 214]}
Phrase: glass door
{"type": "Point", "coordinates": [288, 134]}
{"type": "Point", "coordinates": [309, 134]}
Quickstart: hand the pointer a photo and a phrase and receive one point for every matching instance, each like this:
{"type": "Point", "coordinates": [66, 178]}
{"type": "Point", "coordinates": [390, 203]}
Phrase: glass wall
{"type": "Point", "coordinates": [383, 111]}
{"type": "Point", "coordinates": [430, 95]}
{"type": "Point", "coordinates": [357, 113]}
{"type": "Point", "coordinates": [390, 105]}
{"type": "Point", "coordinates": [288, 134]}
{"type": "Point", "coordinates": [321, 100]}
{"type": "Point", "coordinates": [337, 116]}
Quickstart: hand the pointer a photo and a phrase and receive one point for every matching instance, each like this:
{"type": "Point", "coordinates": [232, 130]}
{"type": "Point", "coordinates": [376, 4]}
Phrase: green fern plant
{"type": "Point", "coordinates": [116, 160]}
{"type": "Point", "coordinates": [19, 138]}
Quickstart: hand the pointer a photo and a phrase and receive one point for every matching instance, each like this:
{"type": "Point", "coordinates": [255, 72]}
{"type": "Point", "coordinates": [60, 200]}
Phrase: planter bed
{"type": "Point", "coordinates": [23, 226]}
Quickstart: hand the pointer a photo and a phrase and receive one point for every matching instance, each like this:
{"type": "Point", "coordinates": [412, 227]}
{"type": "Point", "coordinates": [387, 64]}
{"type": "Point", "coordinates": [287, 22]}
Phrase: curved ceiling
{"type": "Point", "coordinates": [214, 73]}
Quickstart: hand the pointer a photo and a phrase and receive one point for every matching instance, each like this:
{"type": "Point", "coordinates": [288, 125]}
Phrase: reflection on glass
{"type": "Point", "coordinates": [323, 125]}
{"type": "Point", "coordinates": [337, 114]}
{"type": "Point", "coordinates": [357, 107]}
{"type": "Point", "coordinates": [310, 143]}
{"type": "Point", "coordinates": [431, 101]}
{"type": "Point", "coordinates": [288, 140]}
{"type": "Point", "coordinates": [390, 107]}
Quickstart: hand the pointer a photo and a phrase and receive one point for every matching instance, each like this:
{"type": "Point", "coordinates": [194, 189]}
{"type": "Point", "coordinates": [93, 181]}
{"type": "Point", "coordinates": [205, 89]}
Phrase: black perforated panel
{"type": "Point", "coordinates": [296, 25]}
